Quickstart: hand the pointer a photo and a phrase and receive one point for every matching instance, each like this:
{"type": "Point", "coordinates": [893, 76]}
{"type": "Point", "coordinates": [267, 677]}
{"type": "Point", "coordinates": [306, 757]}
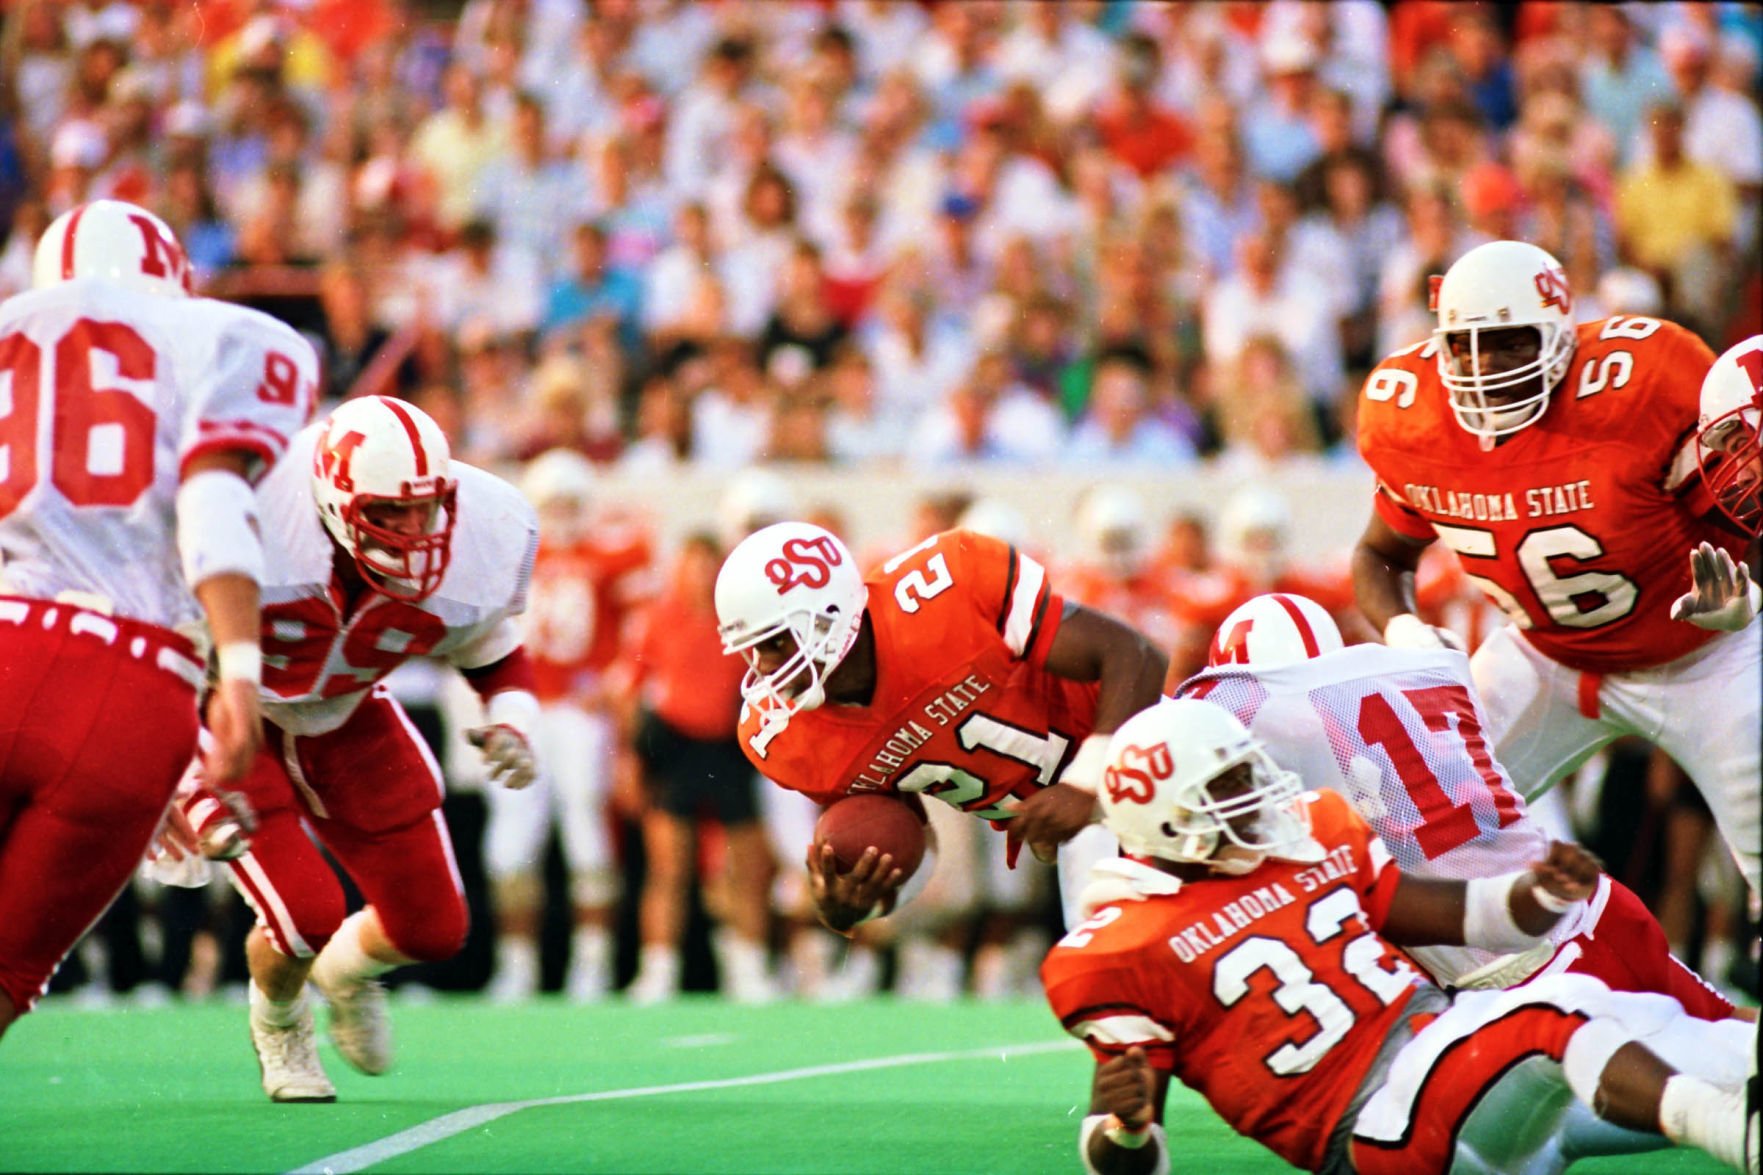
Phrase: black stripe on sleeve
{"type": "Point", "coordinates": [1009, 591]}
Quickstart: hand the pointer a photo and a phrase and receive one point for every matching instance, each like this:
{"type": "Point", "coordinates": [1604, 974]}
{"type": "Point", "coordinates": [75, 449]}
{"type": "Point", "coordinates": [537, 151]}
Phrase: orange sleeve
{"type": "Point", "coordinates": [1401, 517]}
{"type": "Point", "coordinates": [1010, 591]}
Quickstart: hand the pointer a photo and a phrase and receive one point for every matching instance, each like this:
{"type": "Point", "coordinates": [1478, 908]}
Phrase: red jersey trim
{"type": "Point", "coordinates": [515, 671]}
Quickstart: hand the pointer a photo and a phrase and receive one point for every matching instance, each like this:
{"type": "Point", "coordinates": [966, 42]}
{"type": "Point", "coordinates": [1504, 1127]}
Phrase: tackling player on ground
{"type": "Point", "coordinates": [1560, 464]}
{"type": "Point", "coordinates": [137, 419]}
{"type": "Point", "coordinates": [1245, 949]}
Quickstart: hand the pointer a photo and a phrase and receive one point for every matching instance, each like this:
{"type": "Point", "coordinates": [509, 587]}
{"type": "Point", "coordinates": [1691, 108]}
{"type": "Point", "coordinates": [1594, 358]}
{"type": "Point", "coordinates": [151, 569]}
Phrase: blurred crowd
{"type": "Point", "coordinates": [1094, 232]}
{"type": "Point", "coordinates": [1114, 236]}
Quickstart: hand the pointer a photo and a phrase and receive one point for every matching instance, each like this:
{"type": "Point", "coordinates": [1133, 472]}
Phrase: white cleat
{"type": "Point", "coordinates": [287, 1057]}
{"type": "Point", "coordinates": [361, 1027]}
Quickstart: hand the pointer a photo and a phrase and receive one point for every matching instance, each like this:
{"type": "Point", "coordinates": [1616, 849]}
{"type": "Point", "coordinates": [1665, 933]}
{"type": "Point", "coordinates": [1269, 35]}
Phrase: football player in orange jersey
{"type": "Point", "coordinates": [954, 671]}
{"type": "Point", "coordinates": [587, 576]}
{"type": "Point", "coordinates": [1116, 573]}
{"type": "Point", "coordinates": [1245, 949]}
{"type": "Point", "coordinates": [1559, 463]}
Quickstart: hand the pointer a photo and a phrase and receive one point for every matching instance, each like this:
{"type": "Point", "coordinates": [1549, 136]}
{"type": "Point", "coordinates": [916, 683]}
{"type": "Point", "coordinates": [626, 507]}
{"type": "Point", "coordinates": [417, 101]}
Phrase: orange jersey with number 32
{"type": "Point", "coordinates": [1267, 993]}
{"type": "Point", "coordinates": [963, 708]}
{"type": "Point", "coordinates": [1578, 527]}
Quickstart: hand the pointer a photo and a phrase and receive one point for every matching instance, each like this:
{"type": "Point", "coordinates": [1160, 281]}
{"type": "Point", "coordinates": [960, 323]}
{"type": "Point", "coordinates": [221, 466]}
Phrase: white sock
{"type": "Point", "coordinates": [1701, 1114]}
{"type": "Point", "coordinates": [276, 1013]}
{"type": "Point", "coordinates": [517, 962]}
{"type": "Point", "coordinates": [590, 949]}
{"type": "Point", "coordinates": [343, 962]}
{"type": "Point", "coordinates": [658, 966]}
{"type": "Point", "coordinates": [740, 959]}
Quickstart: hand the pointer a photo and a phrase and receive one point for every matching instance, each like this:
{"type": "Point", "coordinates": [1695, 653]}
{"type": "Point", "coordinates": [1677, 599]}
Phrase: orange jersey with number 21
{"type": "Point", "coordinates": [1579, 527]}
{"type": "Point", "coordinates": [963, 708]}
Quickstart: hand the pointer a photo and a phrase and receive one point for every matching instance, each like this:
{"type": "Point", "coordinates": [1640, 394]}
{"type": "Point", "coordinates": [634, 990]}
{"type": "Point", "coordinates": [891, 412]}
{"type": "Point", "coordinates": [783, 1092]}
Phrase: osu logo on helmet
{"type": "Point", "coordinates": [1553, 289]}
{"type": "Point", "coordinates": [1127, 783]}
{"type": "Point", "coordinates": [804, 563]}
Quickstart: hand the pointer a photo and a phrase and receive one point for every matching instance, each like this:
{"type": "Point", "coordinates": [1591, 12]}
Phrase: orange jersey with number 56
{"type": "Point", "coordinates": [963, 708]}
{"type": "Point", "coordinates": [1579, 526]}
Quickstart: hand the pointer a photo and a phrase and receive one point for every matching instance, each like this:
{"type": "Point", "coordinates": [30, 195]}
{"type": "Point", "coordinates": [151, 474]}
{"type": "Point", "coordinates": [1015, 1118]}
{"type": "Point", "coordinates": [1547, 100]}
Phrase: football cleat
{"type": "Point", "coordinates": [287, 1055]}
{"type": "Point", "coordinates": [361, 1027]}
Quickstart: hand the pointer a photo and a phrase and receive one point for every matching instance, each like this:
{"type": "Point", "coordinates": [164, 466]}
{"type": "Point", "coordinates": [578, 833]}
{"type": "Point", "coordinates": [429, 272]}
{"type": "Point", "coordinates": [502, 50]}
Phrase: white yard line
{"type": "Point", "coordinates": [459, 1121]}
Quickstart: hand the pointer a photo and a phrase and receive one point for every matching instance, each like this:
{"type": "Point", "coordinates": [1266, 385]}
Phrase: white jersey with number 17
{"type": "Point", "coordinates": [107, 395]}
{"type": "Point", "coordinates": [1399, 733]}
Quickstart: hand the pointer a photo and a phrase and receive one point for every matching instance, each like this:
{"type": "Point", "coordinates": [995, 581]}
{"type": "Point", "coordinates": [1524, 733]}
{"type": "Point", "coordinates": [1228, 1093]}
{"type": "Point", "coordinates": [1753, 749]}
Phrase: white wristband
{"type": "Point", "coordinates": [240, 661]}
{"type": "Point", "coordinates": [1153, 1134]}
{"type": "Point", "coordinates": [1487, 913]}
{"type": "Point", "coordinates": [1408, 631]}
{"type": "Point", "coordinates": [1086, 767]}
{"type": "Point", "coordinates": [1122, 1135]}
{"type": "Point", "coordinates": [1550, 902]}
{"type": "Point", "coordinates": [514, 708]}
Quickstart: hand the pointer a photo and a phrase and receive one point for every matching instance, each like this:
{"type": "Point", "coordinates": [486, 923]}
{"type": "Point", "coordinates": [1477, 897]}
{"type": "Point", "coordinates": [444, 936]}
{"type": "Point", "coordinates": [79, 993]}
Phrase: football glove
{"type": "Point", "coordinates": [1722, 597]}
{"type": "Point", "coordinates": [508, 755]}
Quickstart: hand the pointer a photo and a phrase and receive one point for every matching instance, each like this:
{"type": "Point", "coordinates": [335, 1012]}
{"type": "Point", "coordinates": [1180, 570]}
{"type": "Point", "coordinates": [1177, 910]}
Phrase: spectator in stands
{"type": "Point", "coordinates": [1118, 429]}
{"type": "Point", "coordinates": [1264, 297]}
{"type": "Point", "coordinates": [1134, 126]}
{"type": "Point", "coordinates": [1278, 136]}
{"type": "Point", "coordinates": [593, 288]}
{"type": "Point", "coordinates": [1620, 77]}
{"type": "Point", "coordinates": [802, 321]}
{"type": "Point", "coordinates": [528, 194]}
{"type": "Point", "coordinates": [457, 143]}
{"type": "Point", "coordinates": [989, 417]}
{"type": "Point", "coordinates": [1675, 218]}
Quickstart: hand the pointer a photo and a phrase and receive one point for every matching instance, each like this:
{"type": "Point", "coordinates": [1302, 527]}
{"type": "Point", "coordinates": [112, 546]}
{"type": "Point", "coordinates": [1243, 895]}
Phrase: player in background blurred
{"type": "Point", "coordinates": [1114, 571]}
{"type": "Point", "coordinates": [589, 574]}
{"type": "Point", "coordinates": [955, 671]}
{"type": "Point", "coordinates": [138, 418]}
{"type": "Point", "coordinates": [386, 550]}
{"type": "Point", "coordinates": [1560, 463]}
{"type": "Point", "coordinates": [1247, 948]}
{"type": "Point", "coordinates": [1254, 547]}
{"type": "Point", "coordinates": [687, 702]}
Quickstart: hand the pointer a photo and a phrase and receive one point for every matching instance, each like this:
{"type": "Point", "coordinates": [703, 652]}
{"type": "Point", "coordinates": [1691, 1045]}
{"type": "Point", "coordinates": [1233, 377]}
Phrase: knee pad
{"type": "Point", "coordinates": [593, 888]}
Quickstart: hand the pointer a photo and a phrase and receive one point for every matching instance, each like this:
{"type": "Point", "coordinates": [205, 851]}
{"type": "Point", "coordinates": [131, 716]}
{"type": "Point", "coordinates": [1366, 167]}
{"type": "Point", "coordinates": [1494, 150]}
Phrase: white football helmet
{"type": "Point", "coordinates": [1492, 287]}
{"type": "Point", "coordinates": [1116, 529]}
{"type": "Point", "coordinates": [1273, 630]}
{"type": "Point", "coordinates": [791, 578]}
{"type": "Point", "coordinates": [376, 449]}
{"type": "Point", "coordinates": [996, 519]}
{"type": "Point", "coordinates": [1727, 440]}
{"type": "Point", "coordinates": [560, 485]}
{"type": "Point", "coordinates": [1157, 799]}
{"type": "Point", "coordinates": [1252, 532]}
{"type": "Point", "coordinates": [112, 241]}
{"type": "Point", "coordinates": [754, 498]}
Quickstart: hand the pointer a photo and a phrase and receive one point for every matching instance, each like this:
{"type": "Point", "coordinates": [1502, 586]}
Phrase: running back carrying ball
{"type": "Point", "coordinates": [854, 823]}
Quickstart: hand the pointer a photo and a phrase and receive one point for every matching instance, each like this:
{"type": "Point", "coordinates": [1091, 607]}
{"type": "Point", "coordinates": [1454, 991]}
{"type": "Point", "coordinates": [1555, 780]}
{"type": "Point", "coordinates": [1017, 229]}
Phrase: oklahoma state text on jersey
{"type": "Point", "coordinates": [1268, 993]}
{"type": "Point", "coordinates": [963, 707]}
{"type": "Point", "coordinates": [1578, 526]}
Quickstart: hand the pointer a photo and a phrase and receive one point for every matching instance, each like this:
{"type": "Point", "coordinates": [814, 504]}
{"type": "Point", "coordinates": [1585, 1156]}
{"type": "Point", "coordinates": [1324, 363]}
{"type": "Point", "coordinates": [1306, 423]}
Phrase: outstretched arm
{"type": "Point", "coordinates": [1383, 583]}
{"type": "Point", "coordinates": [1121, 1135]}
{"type": "Point", "coordinates": [1089, 646]}
{"type": "Point", "coordinates": [1500, 913]}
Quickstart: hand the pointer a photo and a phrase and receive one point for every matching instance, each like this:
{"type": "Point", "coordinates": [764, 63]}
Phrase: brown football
{"type": "Point", "coordinates": [854, 823]}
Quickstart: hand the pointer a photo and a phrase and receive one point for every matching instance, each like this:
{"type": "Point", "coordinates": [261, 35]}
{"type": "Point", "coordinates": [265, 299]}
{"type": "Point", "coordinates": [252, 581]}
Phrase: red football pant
{"type": "Point", "coordinates": [1627, 950]}
{"type": "Point", "coordinates": [370, 791]}
{"type": "Point", "coordinates": [97, 723]}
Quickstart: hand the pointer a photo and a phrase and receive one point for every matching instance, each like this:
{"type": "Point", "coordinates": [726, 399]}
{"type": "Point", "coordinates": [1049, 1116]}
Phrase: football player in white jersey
{"type": "Point", "coordinates": [1401, 733]}
{"type": "Point", "coordinates": [386, 550]}
{"type": "Point", "coordinates": [136, 419]}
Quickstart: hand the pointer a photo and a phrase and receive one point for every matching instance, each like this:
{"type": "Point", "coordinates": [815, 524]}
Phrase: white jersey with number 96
{"type": "Point", "coordinates": [105, 395]}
